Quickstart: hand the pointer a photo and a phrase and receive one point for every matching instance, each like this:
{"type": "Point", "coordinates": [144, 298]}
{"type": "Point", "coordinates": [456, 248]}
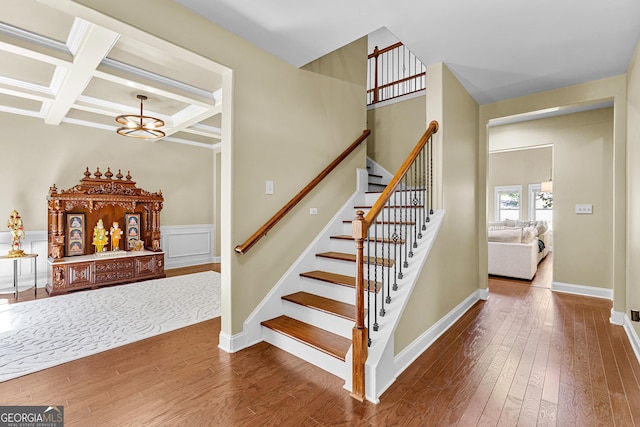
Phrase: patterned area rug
{"type": "Point", "coordinates": [36, 335]}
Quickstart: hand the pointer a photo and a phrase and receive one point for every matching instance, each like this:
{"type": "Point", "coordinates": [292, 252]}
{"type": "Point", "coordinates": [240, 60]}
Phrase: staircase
{"type": "Point", "coordinates": [312, 311]}
{"type": "Point", "coordinates": [327, 291]}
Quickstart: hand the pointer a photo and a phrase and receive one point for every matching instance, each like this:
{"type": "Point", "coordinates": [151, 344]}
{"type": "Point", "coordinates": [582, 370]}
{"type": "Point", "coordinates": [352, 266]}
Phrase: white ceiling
{"type": "Point", "coordinates": [62, 69]}
{"type": "Point", "coordinates": [498, 49]}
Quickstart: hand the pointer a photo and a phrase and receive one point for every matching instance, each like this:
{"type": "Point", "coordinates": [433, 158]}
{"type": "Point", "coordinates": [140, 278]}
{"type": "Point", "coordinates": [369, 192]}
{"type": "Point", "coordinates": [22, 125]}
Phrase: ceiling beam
{"type": "Point", "coordinates": [95, 43]}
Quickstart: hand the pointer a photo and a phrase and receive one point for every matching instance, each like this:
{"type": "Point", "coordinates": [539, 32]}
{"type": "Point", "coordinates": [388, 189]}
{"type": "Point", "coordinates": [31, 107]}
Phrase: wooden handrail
{"type": "Point", "coordinates": [377, 51]}
{"type": "Point", "coordinates": [262, 231]}
{"type": "Point", "coordinates": [396, 82]}
{"type": "Point", "coordinates": [397, 178]}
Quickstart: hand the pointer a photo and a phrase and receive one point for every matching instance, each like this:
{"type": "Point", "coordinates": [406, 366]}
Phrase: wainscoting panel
{"type": "Point", "coordinates": [186, 245]}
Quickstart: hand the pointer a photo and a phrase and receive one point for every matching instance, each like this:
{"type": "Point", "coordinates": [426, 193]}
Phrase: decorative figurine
{"type": "Point", "coordinates": [100, 238]}
{"type": "Point", "coordinates": [116, 234]}
{"type": "Point", "coordinates": [17, 232]}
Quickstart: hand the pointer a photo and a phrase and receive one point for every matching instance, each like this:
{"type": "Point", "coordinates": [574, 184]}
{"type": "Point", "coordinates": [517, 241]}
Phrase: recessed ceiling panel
{"type": "Point", "coordinates": [126, 96]}
{"type": "Point", "coordinates": [37, 18]}
{"type": "Point", "coordinates": [196, 138]}
{"type": "Point", "coordinates": [25, 69]}
{"type": "Point", "coordinates": [215, 121]}
{"type": "Point", "coordinates": [148, 58]}
{"type": "Point", "coordinates": [19, 103]}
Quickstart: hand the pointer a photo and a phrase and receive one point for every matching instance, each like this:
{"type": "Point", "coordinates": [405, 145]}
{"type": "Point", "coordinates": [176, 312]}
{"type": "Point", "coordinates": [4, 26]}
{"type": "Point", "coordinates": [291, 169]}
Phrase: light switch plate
{"type": "Point", "coordinates": [584, 208]}
{"type": "Point", "coordinates": [269, 187]}
{"type": "Point", "coordinates": [313, 211]}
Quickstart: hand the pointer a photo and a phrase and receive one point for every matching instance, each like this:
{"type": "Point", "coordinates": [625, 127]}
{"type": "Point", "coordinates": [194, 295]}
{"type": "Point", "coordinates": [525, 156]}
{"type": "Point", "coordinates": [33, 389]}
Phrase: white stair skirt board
{"type": "Point", "coordinates": [587, 291]}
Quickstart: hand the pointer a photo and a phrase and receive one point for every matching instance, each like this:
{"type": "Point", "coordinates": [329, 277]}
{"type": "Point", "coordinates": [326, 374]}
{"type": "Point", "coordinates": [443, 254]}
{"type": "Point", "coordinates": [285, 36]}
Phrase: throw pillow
{"type": "Point", "coordinates": [542, 227]}
{"type": "Point", "coordinates": [529, 234]}
{"type": "Point", "coordinates": [510, 222]}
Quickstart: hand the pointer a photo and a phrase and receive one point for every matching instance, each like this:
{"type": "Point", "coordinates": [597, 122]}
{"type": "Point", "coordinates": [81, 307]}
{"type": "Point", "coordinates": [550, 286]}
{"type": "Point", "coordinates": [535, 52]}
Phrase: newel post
{"type": "Point", "coordinates": [360, 332]}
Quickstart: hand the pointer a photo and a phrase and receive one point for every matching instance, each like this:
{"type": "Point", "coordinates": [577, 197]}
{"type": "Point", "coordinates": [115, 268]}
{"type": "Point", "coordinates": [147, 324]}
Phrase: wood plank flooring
{"type": "Point", "coordinates": [526, 356]}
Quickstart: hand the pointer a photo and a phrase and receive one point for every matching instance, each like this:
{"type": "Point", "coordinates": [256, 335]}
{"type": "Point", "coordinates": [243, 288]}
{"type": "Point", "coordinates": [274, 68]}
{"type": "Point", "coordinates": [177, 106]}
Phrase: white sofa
{"type": "Point", "coordinates": [514, 248]}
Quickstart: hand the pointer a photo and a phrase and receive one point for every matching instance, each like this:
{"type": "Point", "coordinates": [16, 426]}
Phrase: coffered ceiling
{"type": "Point", "coordinates": [61, 69]}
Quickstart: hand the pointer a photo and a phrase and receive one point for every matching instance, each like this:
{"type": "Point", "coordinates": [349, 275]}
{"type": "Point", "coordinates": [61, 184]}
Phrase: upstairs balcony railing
{"type": "Point", "coordinates": [392, 72]}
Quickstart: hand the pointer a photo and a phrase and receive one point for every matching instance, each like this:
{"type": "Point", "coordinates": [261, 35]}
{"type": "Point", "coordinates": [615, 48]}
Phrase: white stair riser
{"type": "Point", "coordinates": [328, 290]}
{"type": "Point", "coordinates": [320, 319]}
{"type": "Point", "coordinates": [346, 268]}
{"type": "Point", "coordinates": [305, 352]}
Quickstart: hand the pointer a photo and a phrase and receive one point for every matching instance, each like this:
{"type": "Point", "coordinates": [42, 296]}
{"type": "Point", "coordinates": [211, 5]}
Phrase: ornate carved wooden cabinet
{"type": "Point", "coordinates": [74, 213]}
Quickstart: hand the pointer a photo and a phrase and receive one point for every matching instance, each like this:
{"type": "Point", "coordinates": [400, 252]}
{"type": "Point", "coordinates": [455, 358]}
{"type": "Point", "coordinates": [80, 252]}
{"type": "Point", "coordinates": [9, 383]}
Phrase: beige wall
{"type": "Point", "coordinates": [217, 163]}
{"type": "Point", "coordinates": [397, 129]}
{"type": "Point", "coordinates": [44, 155]}
{"type": "Point", "coordinates": [610, 89]}
{"type": "Point", "coordinates": [518, 167]}
{"type": "Point", "coordinates": [450, 273]}
{"type": "Point", "coordinates": [633, 202]}
{"type": "Point", "coordinates": [279, 123]}
{"type": "Point", "coordinates": [582, 173]}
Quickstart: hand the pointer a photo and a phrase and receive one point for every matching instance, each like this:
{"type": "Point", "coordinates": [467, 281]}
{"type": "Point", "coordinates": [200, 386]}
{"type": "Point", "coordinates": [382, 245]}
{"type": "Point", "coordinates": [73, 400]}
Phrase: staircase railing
{"type": "Point", "coordinates": [390, 231]}
{"type": "Point", "coordinates": [262, 231]}
{"type": "Point", "coordinates": [393, 71]}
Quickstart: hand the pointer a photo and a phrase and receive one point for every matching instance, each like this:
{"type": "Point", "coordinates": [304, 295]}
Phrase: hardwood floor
{"type": "Point", "coordinates": [526, 356]}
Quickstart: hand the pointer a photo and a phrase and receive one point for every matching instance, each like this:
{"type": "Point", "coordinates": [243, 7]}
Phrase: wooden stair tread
{"type": "Point", "coordinates": [327, 342]}
{"type": "Point", "coordinates": [327, 305]}
{"type": "Point", "coordinates": [385, 262]}
{"type": "Point", "coordinates": [378, 240]}
{"type": "Point", "coordinates": [336, 279]}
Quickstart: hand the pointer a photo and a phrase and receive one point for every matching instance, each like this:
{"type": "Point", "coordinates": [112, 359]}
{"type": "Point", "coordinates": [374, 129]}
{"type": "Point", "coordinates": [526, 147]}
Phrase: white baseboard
{"type": "Point", "coordinates": [587, 291]}
{"type": "Point", "coordinates": [633, 337]}
{"type": "Point", "coordinates": [407, 356]}
{"type": "Point", "coordinates": [232, 343]}
{"type": "Point", "coordinates": [617, 318]}
{"type": "Point", "coordinates": [187, 245]}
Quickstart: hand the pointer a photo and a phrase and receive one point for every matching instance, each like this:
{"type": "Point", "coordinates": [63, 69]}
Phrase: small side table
{"type": "Point", "coordinates": [15, 272]}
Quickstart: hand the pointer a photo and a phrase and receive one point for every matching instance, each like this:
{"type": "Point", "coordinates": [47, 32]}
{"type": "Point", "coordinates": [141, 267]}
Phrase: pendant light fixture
{"type": "Point", "coordinates": [140, 126]}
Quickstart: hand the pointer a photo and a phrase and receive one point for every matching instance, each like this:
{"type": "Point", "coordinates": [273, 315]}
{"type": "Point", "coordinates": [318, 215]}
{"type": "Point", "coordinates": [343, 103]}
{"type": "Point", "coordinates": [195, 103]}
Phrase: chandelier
{"type": "Point", "coordinates": [140, 126]}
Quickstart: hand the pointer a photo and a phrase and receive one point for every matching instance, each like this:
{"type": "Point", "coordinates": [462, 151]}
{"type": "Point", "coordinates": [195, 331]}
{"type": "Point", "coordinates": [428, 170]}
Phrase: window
{"type": "Point", "coordinates": [540, 205]}
{"type": "Point", "coordinates": [508, 202]}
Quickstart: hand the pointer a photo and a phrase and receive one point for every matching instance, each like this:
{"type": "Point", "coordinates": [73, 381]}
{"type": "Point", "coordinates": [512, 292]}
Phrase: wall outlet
{"type": "Point", "coordinates": [584, 208]}
{"type": "Point", "coordinates": [269, 187]}
{"type": "Point", "coordinates": [313, 211]}
{"type": "Point", "coordinates": [635, 315]}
